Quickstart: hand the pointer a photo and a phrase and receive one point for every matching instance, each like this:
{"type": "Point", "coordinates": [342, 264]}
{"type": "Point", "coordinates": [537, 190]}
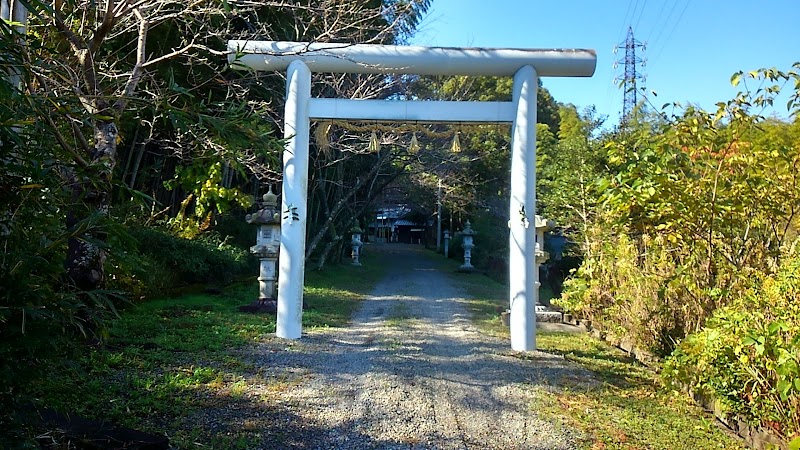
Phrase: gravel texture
{"type": "Point", "coordinates": [410, 372]}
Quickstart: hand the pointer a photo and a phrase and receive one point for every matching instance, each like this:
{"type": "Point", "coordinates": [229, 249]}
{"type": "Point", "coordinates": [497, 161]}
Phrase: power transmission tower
{"type": "Point", "coordinates": [634, 71]}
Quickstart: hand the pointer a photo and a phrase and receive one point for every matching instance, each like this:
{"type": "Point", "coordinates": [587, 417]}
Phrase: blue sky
{"type": "Point", "coordinates": [693, 46]}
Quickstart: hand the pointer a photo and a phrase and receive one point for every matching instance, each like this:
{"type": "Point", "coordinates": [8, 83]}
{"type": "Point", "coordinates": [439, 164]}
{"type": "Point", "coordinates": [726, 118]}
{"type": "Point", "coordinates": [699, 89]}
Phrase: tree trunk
{"type": "Point", "coordinates": [129, 157]}
{"type": "Point", "coordinates": [135, 171]}
{"type": "Point", "coordinates": [92, 194]}
{"type": "Point", "coordinates": [324, 256]}
{"type": "Point", "coordinates": [343, 199]}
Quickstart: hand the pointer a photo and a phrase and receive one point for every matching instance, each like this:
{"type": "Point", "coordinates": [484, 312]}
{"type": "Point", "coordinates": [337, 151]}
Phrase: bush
{"type": "Point", "coordinates": [491, 245]}
{"type": "Point", "coordinates": [694, 206]}
{"type": "Point", "coordinates": [748, 355]}
{"type": "Point", "coordinates": [236, 230]}
{"type": "Point", "coordinates": [39, 306]}
{"type": "Point", "coordinates": [164, 261]}
{"type": "Point", "coordinates": [633, 289]}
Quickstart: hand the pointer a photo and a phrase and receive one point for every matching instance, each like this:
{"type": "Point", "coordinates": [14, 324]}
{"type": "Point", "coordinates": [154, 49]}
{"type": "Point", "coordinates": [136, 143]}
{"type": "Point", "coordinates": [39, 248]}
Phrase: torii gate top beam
{"type": "Point", "coordinates": [369, 58]}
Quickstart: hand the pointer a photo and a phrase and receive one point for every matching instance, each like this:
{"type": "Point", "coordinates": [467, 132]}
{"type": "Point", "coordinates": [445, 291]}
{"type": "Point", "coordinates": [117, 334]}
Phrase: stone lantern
{"type": "Point", "coordinates": [542, 226]}
{"type": "Point", "coordinates": [356, 243]}
{"type": "Point", "coordinates": [467, 235]}
{"type": "Point", "coordinates": [446, 243]}
{"type": "Point", "coordinates": [268, 243]}
{"type": "Point", "coordinates": [543, 313]}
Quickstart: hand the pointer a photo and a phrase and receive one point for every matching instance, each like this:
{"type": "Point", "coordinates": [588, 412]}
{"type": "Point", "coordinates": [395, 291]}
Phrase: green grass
{"type": "Point", "coordinates": [166, 360]}
{"type": "Point", "coordinates": [333, 294]}
{"type": "Point", "coordinates": [399, 316]}
{"type": "Point", "coordinates": [626, 409]}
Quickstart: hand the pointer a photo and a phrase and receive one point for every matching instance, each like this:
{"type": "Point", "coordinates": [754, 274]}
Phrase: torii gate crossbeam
{"type": "Point", "coordinates": [526, 65]}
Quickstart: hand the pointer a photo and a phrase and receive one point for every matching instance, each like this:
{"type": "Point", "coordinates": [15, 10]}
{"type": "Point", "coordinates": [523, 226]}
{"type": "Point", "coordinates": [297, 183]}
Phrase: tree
{"type": "Point", "coordinates": [693, 205]}
{"type": "Point", "coordinates": [483, 167]}
{"type": "Point", "coordinates": [117, 98]}
{"type": "Point", "coordinates": [568, 167]}
{"type": "Point", "coordinates": [116, 82]}
{"type": "Point", "coordinates": [91, 89]}
{"type": "Point", "coordinates": [346, 178]}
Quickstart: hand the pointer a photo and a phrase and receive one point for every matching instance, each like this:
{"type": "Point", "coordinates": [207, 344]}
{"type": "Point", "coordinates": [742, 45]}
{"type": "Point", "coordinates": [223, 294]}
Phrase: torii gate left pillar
{"type": "Point", "coordinates": [291, 273]}
{"type": "Point", "coordinates": [525, 65]}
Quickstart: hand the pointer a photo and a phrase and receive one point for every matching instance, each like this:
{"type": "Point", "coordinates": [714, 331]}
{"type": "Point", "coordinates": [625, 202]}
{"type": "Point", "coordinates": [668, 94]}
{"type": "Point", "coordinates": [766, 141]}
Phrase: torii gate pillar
{"type": "Point", "coordinates": [291, 271]}
{"type": "Point", "coordinates": [523, 275]}
{"type": "Point", "coordinates": [526, 65]}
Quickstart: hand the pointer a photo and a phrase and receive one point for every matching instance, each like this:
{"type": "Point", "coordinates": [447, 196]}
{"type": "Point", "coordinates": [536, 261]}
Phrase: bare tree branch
{"type": "Point", "coordinates": [105, 26]}
{"type": "Point", "coordinates": [136, 73]}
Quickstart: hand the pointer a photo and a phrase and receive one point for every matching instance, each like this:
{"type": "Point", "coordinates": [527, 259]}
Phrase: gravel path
{"type": "Point", "coordinates": [411, 372]}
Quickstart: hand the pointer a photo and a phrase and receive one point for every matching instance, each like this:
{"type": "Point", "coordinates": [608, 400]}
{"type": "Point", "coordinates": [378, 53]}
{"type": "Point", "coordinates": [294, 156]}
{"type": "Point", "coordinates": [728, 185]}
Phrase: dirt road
{"type": "Point", "coordinates": [412, 372]}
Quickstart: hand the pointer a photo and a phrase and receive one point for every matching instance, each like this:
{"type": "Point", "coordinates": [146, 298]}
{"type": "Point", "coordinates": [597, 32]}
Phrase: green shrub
{"type": "Point", "coordinates": [693, 208]}
{"type": "Point", "coordinates": [633, 289]}
{"type": "Point", "coordinates": [39, 306]}
{"type": "Point", "coordinates": [163, 260]}
{"type": "Point", "coordinates": [236, 230]}
{"type": "Point", "coordinates": [748, 355]}
{"type": "Point", "coordinates": [491, 245]}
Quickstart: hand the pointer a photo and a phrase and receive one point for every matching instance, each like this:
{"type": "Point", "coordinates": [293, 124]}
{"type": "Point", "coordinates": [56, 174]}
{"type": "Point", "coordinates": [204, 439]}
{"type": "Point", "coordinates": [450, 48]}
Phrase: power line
{"type": "Point", "coordinates": [641, 13]}
{"type": "Point", "coordinates": [660, 11]}
{"type": "Point", "coordinates": [664, 24]}
{"type": "Point", "coordinates": [633, 14]}
{"type": "Point", "coordinates": [672, 30]}
{"type": "Point", "coordinates": [625, 19]}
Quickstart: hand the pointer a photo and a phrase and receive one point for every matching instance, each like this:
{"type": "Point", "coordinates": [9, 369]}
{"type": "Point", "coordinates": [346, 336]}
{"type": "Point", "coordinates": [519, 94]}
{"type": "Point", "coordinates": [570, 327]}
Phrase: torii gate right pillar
{"type": "Point", "coordinates": [523, 275]}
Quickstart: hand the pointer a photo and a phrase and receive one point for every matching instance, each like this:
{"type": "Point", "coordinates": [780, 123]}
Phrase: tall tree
{"type": "Point", "coordinates": [108, 67]}
{"type": "Point", "coordinates": [77, 60]}
{"type": "Point", "coordinates": [568, 168]}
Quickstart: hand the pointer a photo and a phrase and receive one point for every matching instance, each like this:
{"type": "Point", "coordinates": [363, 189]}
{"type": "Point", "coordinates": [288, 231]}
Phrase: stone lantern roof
{"type": "Point", "coordinates": [468, 231]}
{"type": "Point", "coordinates": [268, 214]}
{"type": "Point", "coordinates": [270, 198]}
{"type": "Point", "coordinates": [544, 224]}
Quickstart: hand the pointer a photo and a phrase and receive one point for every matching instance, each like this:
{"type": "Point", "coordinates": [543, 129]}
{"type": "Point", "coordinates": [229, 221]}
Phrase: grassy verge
{"type": "Point", "coordinates": [627, 409]}
{"type": "Point", "coordinates": [166, 361]}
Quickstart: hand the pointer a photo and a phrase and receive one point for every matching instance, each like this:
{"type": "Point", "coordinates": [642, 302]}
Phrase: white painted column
{"type": "Point", "coordinates": [14, 11]}
{"type": "Point", "coordinates": [522, 212]}
{"type": "Point", "coordinates": [293, 202]}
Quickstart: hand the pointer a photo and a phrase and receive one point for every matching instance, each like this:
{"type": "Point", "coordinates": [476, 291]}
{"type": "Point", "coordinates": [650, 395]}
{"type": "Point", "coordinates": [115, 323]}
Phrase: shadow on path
{"type": "Point", "coordinates": [411, 371]}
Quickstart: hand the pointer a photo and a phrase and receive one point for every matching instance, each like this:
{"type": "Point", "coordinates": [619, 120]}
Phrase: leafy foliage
{"type": "Point", "coordinates": [163, 261]}
{"type": "Point", "coordinates": [748, 354]}
{"type": "Point", "coordinates": [568, 163]}
{"type": "Point", "coordinates": [475, 182]}
{"type": "Point", "coordinates": [692, 243]}
{"type": "Point", "coordinates": [621, 407]}
{"type": "Point", "coordinates": [694, 206]}
{"type": "Point", "coordinates": [38, 306]}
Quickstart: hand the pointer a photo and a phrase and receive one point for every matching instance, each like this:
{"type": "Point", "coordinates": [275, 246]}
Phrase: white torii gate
{"type": "Point", "coordinates": [14, 11]}
{"type": "Point", "coordinates": [525, 65]}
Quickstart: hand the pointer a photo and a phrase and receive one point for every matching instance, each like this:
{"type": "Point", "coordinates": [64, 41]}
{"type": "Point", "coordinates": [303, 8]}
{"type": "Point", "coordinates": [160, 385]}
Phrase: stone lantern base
{"type": "Point", "coordinates": [545, 314]}
{"type": "Point", "coordinates": [466, 269]}
{"type": "Point", "coordinates": [265, 306]}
